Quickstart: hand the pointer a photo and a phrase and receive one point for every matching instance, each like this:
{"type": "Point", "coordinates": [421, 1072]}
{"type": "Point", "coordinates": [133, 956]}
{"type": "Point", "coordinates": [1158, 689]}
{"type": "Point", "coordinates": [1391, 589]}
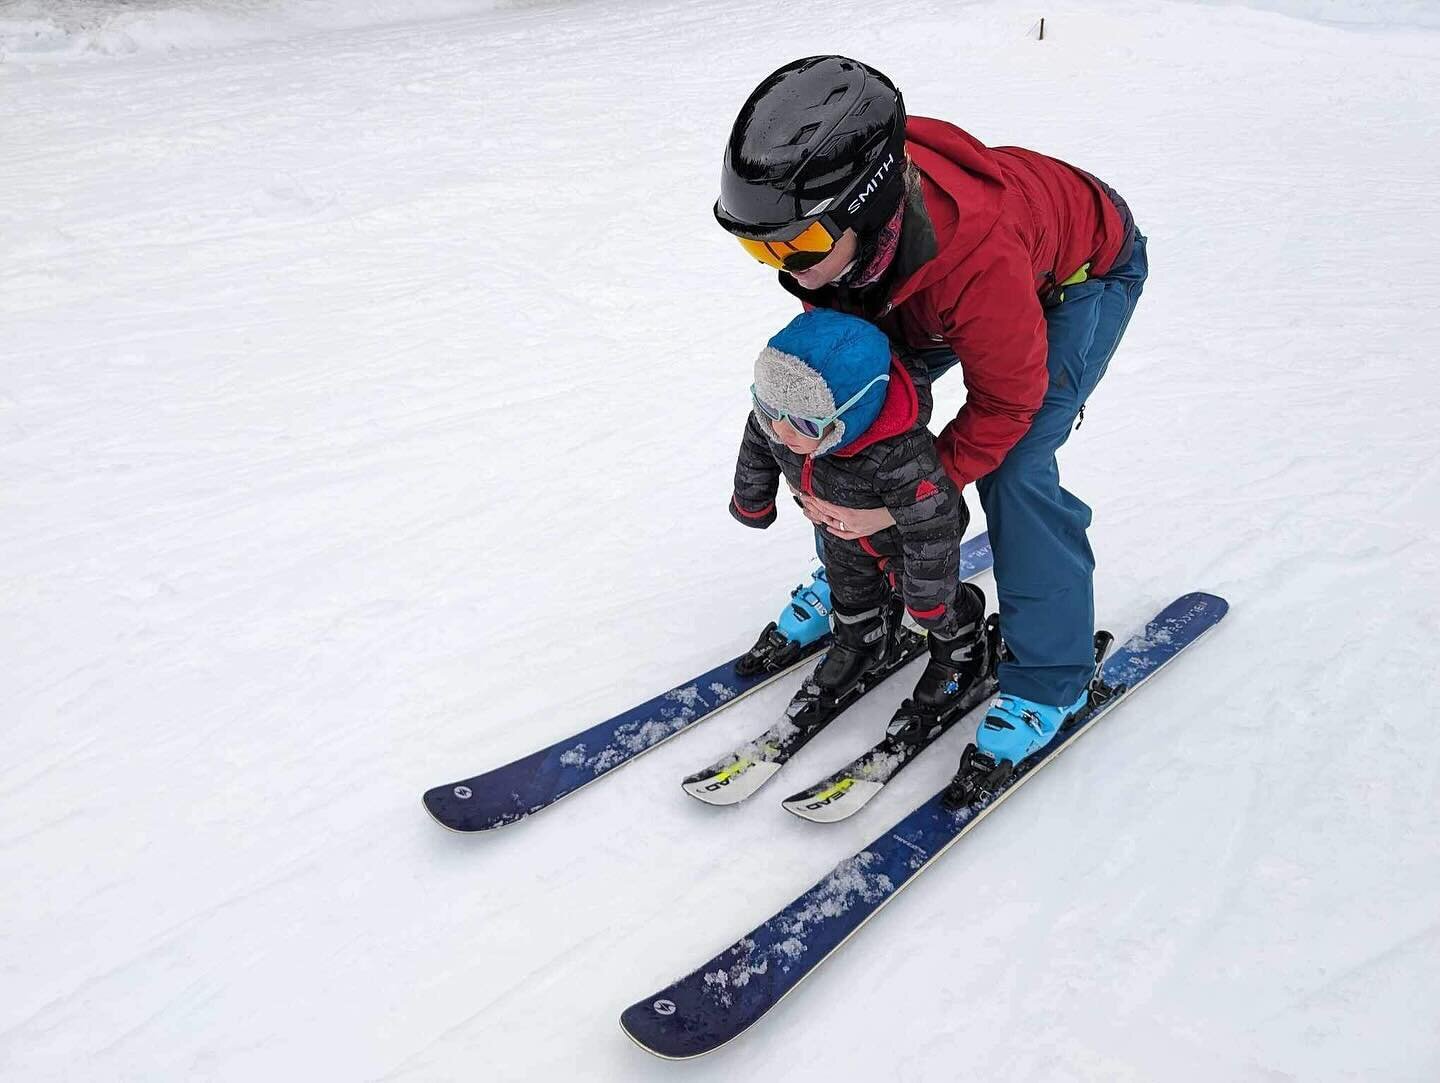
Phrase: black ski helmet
{"type": "Point", "coordinates": [822, 138]}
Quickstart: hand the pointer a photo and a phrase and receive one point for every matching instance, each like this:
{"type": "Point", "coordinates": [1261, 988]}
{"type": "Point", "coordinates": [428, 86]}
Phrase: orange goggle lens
{"type": "Point", "coordinates": [799, 252]}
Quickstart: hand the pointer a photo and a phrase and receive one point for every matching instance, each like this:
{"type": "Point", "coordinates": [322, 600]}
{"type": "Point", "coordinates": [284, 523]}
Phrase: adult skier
{"type": "Point", "coordinates": [1017, 268]}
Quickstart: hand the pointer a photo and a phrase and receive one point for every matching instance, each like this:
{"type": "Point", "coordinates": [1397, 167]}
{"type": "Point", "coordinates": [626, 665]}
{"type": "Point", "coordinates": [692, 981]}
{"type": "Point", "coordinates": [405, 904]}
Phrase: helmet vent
{"type": "Point", "coordinates": [834, 96]}
{"type": "Point", "coordinates": [803, 135]}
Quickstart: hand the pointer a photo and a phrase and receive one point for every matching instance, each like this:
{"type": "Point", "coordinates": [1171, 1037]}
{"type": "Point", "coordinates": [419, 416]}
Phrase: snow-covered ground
{"type": "Point", "coordinates": [370, 381]}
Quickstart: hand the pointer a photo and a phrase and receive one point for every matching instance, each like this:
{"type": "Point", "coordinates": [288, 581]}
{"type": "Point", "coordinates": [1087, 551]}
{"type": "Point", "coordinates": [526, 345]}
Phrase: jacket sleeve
{"type": "Point", "coordinates": [999, 335]}
{"type": "Point", "coordinates": [931, 516]}
{"type": "Point", "coordinates": [757, 479]}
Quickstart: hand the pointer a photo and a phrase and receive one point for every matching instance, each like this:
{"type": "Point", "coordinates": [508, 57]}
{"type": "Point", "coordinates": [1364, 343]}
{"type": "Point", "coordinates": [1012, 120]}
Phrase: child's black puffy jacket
{"type": "Point", "coordinates": [894, 465]}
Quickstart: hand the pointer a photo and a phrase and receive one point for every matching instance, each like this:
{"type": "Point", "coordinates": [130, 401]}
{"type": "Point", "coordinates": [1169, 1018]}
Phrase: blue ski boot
{"type": "Point", "coordinates": [804, 621]}
{"type": "Point", "coordinates": [1015, 727]}
{"type": "Point", "coordinates": [807, 617]}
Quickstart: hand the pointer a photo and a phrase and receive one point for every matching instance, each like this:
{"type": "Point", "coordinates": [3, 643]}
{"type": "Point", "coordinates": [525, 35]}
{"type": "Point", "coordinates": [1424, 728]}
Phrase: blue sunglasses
{"type": "Point", "coordinates": [812, 427]}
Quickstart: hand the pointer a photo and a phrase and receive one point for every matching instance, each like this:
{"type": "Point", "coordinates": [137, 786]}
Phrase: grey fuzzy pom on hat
{"type": "Point", "coordinates": [789, 384]}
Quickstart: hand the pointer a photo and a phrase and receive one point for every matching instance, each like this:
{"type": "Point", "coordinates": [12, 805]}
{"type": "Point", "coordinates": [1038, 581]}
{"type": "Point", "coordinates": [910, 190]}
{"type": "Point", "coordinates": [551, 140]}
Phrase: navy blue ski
{"type": "Point", "coordinates": [527, 785]}
{"type": "Point", "coordinates": [709, 1007]}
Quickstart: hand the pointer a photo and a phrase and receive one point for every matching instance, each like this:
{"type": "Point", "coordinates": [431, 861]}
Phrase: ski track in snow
{"type": "Point", "coordinates": [369, 398]}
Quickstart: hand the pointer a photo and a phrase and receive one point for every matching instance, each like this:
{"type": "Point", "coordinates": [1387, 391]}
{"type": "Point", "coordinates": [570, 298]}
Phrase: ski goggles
{"type": "Point", "coordinates": [812, 427]}
{"type": "Point", "coordinates": [797, 253]}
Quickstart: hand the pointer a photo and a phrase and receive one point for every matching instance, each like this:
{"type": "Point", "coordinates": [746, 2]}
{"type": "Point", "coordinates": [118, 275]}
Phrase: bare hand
{"type": "Point", "coordinates": [847, 523]}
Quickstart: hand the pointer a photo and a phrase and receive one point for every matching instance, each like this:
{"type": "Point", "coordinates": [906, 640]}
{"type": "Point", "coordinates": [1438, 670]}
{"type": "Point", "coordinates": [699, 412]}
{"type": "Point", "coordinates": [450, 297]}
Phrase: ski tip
{"type": "Point", "coordinates": [434, 802]}
{"type": "Point", "coordinates": [642, 1045]}
{"type": "Point", "coordinates": [713, 771]}
{"type": "Point", "coordinates": [449, 807]}
{"type": "Point", "coordinates": [833, 803]}
{"type": "Point", "coordinates": [701, 790]}
{"type": "Point", "coordinates": [677, 1029]}
{"type": "Point", "coordinates": [731, 785]}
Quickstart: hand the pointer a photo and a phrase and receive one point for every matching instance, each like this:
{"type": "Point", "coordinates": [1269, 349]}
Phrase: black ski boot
{"type": "Point", "coordinates": [958, 662]}
{"type": "Point", "coordinates": [863, 642]}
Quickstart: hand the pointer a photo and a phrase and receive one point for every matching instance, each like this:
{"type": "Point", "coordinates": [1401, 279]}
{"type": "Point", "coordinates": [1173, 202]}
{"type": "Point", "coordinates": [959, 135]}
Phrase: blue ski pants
{"type": "Point", "coordinates": [1044, 569]}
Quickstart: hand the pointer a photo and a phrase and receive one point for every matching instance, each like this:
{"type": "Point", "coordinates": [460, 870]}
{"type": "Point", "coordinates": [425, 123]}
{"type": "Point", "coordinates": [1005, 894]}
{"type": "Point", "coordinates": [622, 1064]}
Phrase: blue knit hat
{"type": "Point", "coordinates": [815, 363]}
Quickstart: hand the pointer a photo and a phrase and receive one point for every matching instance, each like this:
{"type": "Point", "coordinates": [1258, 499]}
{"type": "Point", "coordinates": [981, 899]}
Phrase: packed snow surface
{"type": "Point", "coordinates": [370, 384]}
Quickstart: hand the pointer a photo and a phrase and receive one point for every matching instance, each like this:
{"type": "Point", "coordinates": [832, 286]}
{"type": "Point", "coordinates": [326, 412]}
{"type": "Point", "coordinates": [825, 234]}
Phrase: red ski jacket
{"type": "Point", "coordinates": [1009, 225]}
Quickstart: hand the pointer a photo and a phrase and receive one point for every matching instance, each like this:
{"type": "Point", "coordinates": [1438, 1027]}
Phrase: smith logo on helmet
{"type": "Point", "coordinates": [859, 201]}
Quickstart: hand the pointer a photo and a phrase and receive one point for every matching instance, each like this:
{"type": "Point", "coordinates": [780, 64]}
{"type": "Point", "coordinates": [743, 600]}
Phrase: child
{"type": "Point", "coordinates": [844, 420]}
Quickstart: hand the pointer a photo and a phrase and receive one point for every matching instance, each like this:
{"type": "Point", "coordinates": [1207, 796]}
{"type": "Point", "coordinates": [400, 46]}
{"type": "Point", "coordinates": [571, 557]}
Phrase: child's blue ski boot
{"type": "Point", "coordinates": [804, 620]}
